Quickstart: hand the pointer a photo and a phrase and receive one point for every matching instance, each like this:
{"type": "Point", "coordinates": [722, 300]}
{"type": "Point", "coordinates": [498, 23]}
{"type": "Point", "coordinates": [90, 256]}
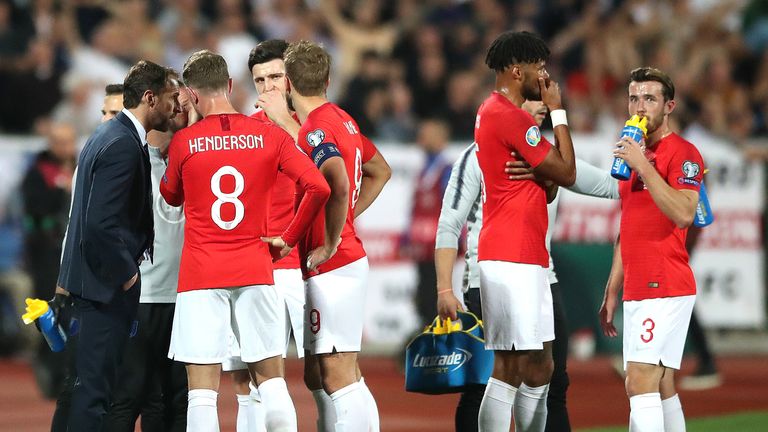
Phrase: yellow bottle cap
{"type": "Point", "coordinates": [35, 309]}
{"type": "Point", "coordinates": [447, 326]}
{"type": "Point", "coordinates": [639, 122]}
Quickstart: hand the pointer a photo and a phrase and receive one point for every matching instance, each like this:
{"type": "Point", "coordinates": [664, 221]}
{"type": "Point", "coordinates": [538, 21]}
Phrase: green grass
{"type": "Point", "coordinates": [745, 422]}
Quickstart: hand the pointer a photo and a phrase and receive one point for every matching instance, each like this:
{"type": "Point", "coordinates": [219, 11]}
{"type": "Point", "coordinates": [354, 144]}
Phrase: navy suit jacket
{"type": "Point", "coordinates": [111, 224]}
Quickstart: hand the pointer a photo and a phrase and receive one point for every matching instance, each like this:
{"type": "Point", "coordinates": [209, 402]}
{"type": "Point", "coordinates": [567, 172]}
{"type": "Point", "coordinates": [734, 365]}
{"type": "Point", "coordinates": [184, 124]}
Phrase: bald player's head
{"type": "Point", "coordinates": [62, 141]}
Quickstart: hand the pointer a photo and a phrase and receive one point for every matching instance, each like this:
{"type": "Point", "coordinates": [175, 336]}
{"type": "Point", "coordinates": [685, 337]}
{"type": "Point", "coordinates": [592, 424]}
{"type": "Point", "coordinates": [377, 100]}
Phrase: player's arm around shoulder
{"type": "Point", "coordinates": [593, 181]}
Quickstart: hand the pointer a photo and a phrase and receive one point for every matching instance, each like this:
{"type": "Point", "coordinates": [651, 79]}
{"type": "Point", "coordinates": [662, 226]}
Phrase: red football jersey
{"type": "Point", "coordinates": [331, 132]}
{"type": "Point", "coordinates": [223, 169]}
{"type": "Point", "coordinates": [514, 212]}
{"type": "Point", "coordinates": [281, 209]}
{"type": "Point", "coordinates": [652, 247]}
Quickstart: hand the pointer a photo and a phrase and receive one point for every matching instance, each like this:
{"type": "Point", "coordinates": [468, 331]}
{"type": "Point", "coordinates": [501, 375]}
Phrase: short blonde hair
{"type": "Point", "coordinates": [206, 70]}
{"type": "Point", "coordinates": [308, 67]}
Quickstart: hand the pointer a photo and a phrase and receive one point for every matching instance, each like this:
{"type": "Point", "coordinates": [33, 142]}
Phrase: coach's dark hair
{"type": "Point", "coordinates": [113, 89]}
{"type": "Point", "coordinates": [144, 76]}
{"type": "Point", "coordinates": [206, 70]}
{"type": "Point", "coordinates": [308, 67]}
{"type": "Point", "coordinates": [516, 48]}
{"type": "Point", "coordinates": [267, 50]}
{"type": "Point", "coordinates": [647, 73]}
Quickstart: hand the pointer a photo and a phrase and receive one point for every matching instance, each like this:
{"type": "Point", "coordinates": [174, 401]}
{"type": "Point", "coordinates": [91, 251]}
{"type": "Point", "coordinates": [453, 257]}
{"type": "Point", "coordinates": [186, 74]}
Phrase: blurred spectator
{"type": "Point", "coordinates": [45, 190]}
{"type": "Point", "coordinates": [36, 81]}
{"type": "Point", "coordinates": [364, 32]}
{"type": "Point", "coordinates": [178, 12]}
{"type": "Point", "coordinates": [755, 25]}
{"type": "Point", "coordinates": [279, 19]}
{"type": "Point", "coordinates": [398, 123]}
{"type": "Point", "coordinates": [463, 100]}
{"type": "Point", "coordinates": [439, 45]}
{"type": "Point", "coordinates": [419, 242]}
{"type": "Point", "coordinates": [370, 76]}
{"type": "Point", "coordinates": [16, 29]}
{"type": "Point", "coordinates": [145, 35]}
{"type": "Point", "coordinates": [15, 285]}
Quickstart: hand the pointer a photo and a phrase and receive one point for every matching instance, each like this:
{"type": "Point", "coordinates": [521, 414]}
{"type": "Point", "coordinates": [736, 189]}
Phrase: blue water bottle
{"type": "Point", "coordinates": [704, 214]}
{"type": "Point", "coordinates": [52, 332]}
{"type": "Point", "coordinates": [636, 129]}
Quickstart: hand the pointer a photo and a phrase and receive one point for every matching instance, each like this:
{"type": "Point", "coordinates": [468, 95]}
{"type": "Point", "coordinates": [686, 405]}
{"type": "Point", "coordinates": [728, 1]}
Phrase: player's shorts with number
{"type": "Point", "coordinates": [517, 306]}
{"type": "Point", "coordinates": [204, 320]}
{"type": "Point", "coordinates": [655, 330]}
{"type": "Point", "coordinates": [333, 316]}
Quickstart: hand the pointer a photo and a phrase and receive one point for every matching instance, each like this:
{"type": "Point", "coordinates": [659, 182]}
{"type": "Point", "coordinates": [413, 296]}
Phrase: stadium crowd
{"type": "Point", "coordinates": [398, 62]}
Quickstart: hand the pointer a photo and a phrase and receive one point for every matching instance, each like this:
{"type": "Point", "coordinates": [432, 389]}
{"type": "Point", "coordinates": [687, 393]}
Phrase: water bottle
{"type": "Point", "coordinates": [52, 332]}
{"type": "Point", "coordinates": [704, 214]}
{"type": "Point", "coordinates": [636, 129]}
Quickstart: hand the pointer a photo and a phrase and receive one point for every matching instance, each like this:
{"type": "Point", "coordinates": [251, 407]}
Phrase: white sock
{"type": "Point", "coordinates": [279, 412]}
{"type": "Point", "coordinates": [326, 412]}
{"type": "Point", "coordinates": [351, 409]}
{"type": "Point", "coordinates": [674, 420]}
{"type": "Point", "coordinates": [242, 413]}
{"type": "Point", "coordinates": [645, 413]}
{"type": "Point", "coordinates": [373, 409]}
{"type": "Point", "coordinates": [202, 415]}
{"type": "Point", "coordinates": [531, 408]}
{"type": "Point", "coordinates": [496, 407]}
{"type": "Point", "coordinates": [255, 411]}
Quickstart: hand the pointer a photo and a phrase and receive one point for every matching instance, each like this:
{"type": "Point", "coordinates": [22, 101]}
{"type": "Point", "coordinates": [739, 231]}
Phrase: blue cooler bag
{"type": "Point", "coordinates": [448, 356]}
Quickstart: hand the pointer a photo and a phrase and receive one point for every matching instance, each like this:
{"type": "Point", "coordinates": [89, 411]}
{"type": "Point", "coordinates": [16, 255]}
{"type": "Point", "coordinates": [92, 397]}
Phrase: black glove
{"type": "Point", "coordinates": [61, 306]}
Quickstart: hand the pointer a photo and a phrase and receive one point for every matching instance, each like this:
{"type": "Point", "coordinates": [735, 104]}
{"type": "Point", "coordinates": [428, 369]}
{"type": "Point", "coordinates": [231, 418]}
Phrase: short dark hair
{"type": "Point", "coordinates": [113, 89]}
{"type": "Point", "coordinates": [206, 70]}
{"type": "Point", "coordinates": [144, 75]}
{"type": "Point", "coordinates": [516, 47]}
{"type": "Point", "coordinates": [308, 66]}
{"type": "Point", "coordinates": [647, 73]}
{"type": "Point", "coordinates": [265, 51]}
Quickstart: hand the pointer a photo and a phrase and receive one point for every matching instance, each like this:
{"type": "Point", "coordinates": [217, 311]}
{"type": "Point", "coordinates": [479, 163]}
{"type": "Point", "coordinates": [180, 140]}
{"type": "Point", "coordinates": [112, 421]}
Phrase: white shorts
{"type": "Point", "coordinates": [290, 286]}
{"type": "Point", "coordinates": [655, 330]}
{"type": "Point", "coordinates": [333, 320]}
{"type": "Point", "coordinates": [204, 320]}
{"type": "Point", "coordinates": [517, 306]}
{"type": "Point", "coordinates": [233, 362]}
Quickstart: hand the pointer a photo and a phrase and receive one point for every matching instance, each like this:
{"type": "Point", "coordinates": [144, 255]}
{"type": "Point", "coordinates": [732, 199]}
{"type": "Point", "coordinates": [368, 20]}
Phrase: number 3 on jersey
{"type": "Point", "coordinates": [231, 197]}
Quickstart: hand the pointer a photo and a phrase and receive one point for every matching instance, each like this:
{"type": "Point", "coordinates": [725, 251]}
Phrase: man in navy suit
{"type": "Point", "coordinates": [110, 232]}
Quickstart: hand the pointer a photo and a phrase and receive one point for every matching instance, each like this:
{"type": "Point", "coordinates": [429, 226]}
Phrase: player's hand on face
{"type": "Point", "coordinates": [274, 105]}
{"type": "Point", "coordinates": [632, 153]}
{"type": "Point", "coordinates": [447, 305]}
{"type": "Point", "coordinates": [607, 312]}
{"type": "Point", "coordinates": [277, 247]}
{"type": "Point", "coordinates": [519, 169]}
{"type": "Point", "coordinates": [550, 94]}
